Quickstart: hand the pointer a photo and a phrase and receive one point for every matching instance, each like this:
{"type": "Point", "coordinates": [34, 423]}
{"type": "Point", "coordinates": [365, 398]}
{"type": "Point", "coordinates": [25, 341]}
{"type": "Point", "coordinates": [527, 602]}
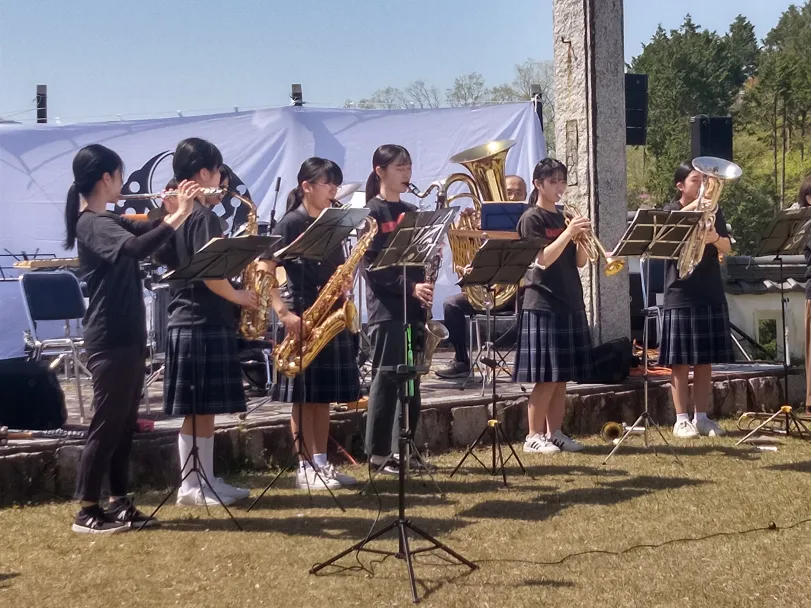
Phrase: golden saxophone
{"type": "Point", "coordinates": [320, 323]}
{"type": "Point", "coordinates": [254, 323]}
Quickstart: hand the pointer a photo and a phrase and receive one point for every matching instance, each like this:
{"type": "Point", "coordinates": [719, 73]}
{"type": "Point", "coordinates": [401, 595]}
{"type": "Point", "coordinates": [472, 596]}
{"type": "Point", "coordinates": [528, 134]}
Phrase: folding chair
{"type": "Point", "coordinates": [654, 270]}
{"type": "Point", "coordinates": [56, 296]}
{"type": "Point", "coordinates": [477, 340]}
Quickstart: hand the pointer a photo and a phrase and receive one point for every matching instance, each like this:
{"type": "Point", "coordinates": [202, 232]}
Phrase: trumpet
{"type": "Point", "coordinates": [168, 193]}
{"type": "Point", "coordinates": [595, 251]}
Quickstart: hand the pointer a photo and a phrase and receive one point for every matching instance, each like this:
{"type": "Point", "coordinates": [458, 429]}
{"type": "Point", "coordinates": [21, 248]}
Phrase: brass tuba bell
{"type": "Point", "coordinates": [486, 184]}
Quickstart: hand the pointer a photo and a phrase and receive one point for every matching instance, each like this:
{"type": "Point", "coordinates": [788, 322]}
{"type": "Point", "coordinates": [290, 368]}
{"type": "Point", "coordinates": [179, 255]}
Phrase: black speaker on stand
{"type": "Point", "coordinates": [636, 109]}
{"type": "Point", "coordinates": [712, 136]}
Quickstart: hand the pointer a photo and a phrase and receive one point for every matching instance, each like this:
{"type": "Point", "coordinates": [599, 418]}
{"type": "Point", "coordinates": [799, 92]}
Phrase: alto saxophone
{"type": "Point", "coordinates": [254, 323]}
{"type": "Point", "coordinates": [319, 324]}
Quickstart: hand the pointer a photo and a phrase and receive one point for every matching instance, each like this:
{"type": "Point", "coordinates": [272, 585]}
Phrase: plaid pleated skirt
{"type": "Point", "coordinates": [696, 335]}
{"type": "Point", "coordinates": [332, 376]}
{"type": "Point", "coordinates": [553, 347]}
{"type": "Point", "coordinates": [202, 360]}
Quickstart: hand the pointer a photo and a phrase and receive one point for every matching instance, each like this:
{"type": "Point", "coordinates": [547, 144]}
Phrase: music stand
{"type": "Point", "coordinates": [787, 234]}
{"type": "Point", "coordinates": [218, 259]}
{"type": "Point", "coordinates": [497, 262]}
{"type": "Point", "coordinates": [413, 243]}
{"type": "Point", "coordinates": [653, 234]}
{"type": "Point", "coordinates": [324, 235]}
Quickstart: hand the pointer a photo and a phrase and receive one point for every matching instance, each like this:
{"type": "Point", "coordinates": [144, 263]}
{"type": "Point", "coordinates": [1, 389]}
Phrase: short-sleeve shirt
{"type": "Point", "coordinates": [305, 278]}
{"type": "Point", "coordinates": [192, 302]}
{"type": "Point", "coordinates": [115, 315]}
{"type": "Point", "coordinates": [703, 287]}
{"type": "Point", "coordinates": [557, 288]}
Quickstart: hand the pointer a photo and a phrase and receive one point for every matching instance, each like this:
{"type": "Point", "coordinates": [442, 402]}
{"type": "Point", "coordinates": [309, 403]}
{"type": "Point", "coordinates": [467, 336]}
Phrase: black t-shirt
{"type": "Point", "coordinates": [557, 288]}
{"type": "Point", "coordinates": [316, 273]}
{"type": "Point", "coordinates": [703, 287]}
{"type": "Point", "coordinates": [115, 314]}
{"type": "Point", "coordinates": [192, 303]}
{"type": "Point", "coordinates": [385, 287]}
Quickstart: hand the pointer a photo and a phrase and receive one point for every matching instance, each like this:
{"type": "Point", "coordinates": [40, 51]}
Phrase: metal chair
{"type": "Point", "coordinates": [654, 272]}
{"type": "Point", "coordinates": [56, 296]}
{"type": "Point", "coordinates": [478, 344]}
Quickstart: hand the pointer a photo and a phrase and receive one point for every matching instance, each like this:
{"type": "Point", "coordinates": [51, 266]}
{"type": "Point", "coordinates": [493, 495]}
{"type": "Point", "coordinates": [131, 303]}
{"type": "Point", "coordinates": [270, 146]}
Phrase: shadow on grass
{"type": "Point", "coordinates": [338, 527]}
{"type": "Point", "coordinates": [551, 503]}
{"type": "Point", "coordinates": [802, 466]}
{"type": "Point", "coordinates": [7, 576]}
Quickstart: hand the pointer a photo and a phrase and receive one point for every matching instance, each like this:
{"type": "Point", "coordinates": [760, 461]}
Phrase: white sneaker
{"type": "Point", "coordinates": [685, 429]}
{"type": "Point", "coordinates": [197, 497]}
{"type": "Point", "coordinates": [224, 489]}
{"type": "Point", "coordinates": [539, 444]}
{"type": "Point", "coordinates": [708, 427]}
{"type": "Point", "coordinates": [566, 444]}
{"type": "Point", "coordinates": [329, 471]}
{"type": "Point", "coordinates": [308, 479]}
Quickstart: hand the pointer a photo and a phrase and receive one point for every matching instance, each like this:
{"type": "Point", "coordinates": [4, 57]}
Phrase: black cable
{"type": "Point", "coordinates": [770, 527]}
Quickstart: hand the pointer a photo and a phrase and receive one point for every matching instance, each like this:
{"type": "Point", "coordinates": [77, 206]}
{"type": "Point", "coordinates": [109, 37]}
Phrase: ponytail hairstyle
{"type": "Point", "coordinates": [546, 168]}
{"type": "Point", "coordinates": [313, 170]}
{"type": "Point", "coordinates": [226, 175]}
{"type": "Point", "coordinates": [680, 175]}
{"type": "Point", "coordinates": [89, 166]}
{"type": "Point", "coordinates": [193, 155]}
{"type": "Point", "coordinates": [385, 155]}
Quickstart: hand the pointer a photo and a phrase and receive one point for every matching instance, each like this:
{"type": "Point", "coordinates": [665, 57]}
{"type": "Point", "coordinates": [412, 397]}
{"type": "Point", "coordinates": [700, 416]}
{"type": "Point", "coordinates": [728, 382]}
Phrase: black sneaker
{"type": "Point", "coordinates": [93, 520]}
{"type": "Point", "coordinates": [123, 511]}
{"type": "Point", "coordinates": [454, 369]}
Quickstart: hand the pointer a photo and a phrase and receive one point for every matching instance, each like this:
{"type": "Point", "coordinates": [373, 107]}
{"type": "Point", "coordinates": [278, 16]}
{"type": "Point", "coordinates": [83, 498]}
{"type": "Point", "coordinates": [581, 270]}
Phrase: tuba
{"type": "Point", "coordinates": [485, 184]}
{"type": "Point", "coordinates": [715, 172]}
{"type": "Point", "coordinates": [254, 323]}
{"type": "Point", "coordinates": [319, 324]}
{"type": "Point", "coordinates": [595, 251]}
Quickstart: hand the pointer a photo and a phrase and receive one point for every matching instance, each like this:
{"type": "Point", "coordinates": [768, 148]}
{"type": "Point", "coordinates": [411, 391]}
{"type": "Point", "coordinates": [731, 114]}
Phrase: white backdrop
{"type": "Point", "coordinates": [35, 161]}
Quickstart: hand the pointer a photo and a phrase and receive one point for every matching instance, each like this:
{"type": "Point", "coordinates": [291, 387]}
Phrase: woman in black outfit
{"type": "Point", "coordinates": [696, 322]}
{"type": "Point", "coordinates": [203, 375]}
{"type": "Point", "coordinates": [391, 173]}
{"type": "Point", "coordinates": [333, 375]}
{"type": "Point", "coordinates": [109, 248]}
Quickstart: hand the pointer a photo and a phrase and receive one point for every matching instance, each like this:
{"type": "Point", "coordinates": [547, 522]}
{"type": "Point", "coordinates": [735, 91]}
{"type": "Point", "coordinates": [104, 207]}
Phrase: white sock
{"type": "Point", "coordinates": [206, 445]}
{"type": "Point", "coordinates": [700, 416]}
{"type": "Point", "coordinates": [377, 461]}
{"type": "Point", "coordinates": [320, 460]}
{"type": "Point", "coordinates": [683, 418]}
{"type": "Point", "coordinates": [184, 450]}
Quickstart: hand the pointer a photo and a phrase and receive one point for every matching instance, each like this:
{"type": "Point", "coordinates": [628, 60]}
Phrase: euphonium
{"type": "Point", "coordinates": [595, 251]}
{"type": "Point", "coordinates": [254, 323]}
{"type": "Point", "coordinates": [320, 323]}
{"type": "Point", "coordinates": [715, 172]}
{"type": "Point", "coordinates": [485, 184]}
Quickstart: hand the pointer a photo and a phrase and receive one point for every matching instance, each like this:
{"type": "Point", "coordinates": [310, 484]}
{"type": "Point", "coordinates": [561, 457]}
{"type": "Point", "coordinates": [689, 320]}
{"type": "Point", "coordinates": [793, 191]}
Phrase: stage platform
{"type": "Point", "coordinates": [453, 415]}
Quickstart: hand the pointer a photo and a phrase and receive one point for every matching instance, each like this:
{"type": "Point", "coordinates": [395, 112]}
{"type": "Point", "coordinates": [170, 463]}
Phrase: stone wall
{"type": "Point", "coordinates": [44, 470]}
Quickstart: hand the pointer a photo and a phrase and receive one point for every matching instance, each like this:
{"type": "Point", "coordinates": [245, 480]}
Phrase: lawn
{"type": "Point", "coordinates": [640, 531]}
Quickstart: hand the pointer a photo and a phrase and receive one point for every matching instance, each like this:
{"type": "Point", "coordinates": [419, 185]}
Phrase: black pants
{"type": "Point", "coordinates": [456, 311]}
{"type": "Point", "coordinates": [118, 378]}
{"type": "Point", "coordinates": [384, 406]}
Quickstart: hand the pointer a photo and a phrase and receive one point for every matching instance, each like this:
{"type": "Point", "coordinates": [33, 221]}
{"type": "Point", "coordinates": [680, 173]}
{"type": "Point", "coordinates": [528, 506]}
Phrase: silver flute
{"type": "Point", "coordinates": [168, 193]}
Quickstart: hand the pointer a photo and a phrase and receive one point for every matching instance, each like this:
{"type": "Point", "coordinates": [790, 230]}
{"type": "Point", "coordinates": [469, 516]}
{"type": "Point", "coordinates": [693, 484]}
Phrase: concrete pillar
{"type": "Point", "coordinates": [590, 138]}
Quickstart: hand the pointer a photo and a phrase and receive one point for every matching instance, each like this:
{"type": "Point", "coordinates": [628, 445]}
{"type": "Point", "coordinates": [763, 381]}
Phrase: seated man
{"type": "Point", "coordinates": [457, 308]}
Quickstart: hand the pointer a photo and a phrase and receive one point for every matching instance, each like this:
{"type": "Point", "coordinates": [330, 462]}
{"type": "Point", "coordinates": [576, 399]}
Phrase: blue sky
{"type": "Point", "coordinates": [152, 57]}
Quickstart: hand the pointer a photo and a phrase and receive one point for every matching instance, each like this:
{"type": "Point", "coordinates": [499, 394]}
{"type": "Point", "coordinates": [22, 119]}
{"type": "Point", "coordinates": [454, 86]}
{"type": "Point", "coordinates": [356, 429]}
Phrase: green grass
{"type": "Point", "coordinates": [576, 533]}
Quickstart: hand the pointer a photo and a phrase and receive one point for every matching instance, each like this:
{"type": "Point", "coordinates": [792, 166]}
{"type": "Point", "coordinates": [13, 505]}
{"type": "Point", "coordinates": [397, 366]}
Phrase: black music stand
{"type": "Point", "coordinates": [653, 234]}
{"type": "Point", "coordinates": [787, 234]}
{"type": "Point", "coordinates": [324, 235]}
{"type": "Point", "coordinates": [218, 259]}
{"type": "Point", "coordinates": [497, 262]}
{"type": "Point", "coordinates": [413, 243]}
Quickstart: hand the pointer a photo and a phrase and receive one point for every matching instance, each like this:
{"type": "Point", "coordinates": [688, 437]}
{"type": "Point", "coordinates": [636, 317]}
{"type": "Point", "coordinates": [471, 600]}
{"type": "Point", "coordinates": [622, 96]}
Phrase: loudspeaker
{"type": "Point", "coordinates": [712, 136]}
{"type": "Point", "coordinates": [636, 109]}
{"type": "Point", "coordinates": [30, 396]}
